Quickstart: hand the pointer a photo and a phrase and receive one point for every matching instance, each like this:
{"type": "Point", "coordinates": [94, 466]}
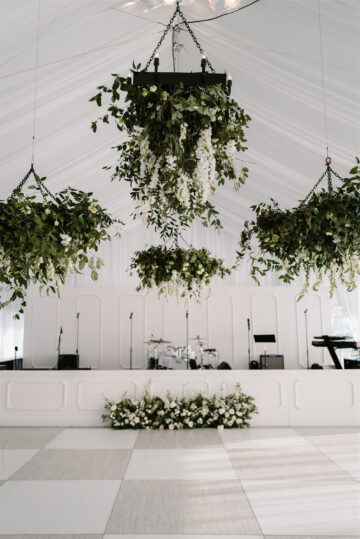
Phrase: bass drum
{"type": "Point", "coordinates": [176, 364]}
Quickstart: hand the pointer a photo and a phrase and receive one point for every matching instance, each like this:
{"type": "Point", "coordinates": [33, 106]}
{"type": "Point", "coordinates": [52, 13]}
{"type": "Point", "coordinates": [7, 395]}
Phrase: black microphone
{"type": "Point", "coordinates": [77, 315]}
{"type": "Point", "coordinates": [131, 315]}
{"type": "Point", "coordinates": [61, 330]}
{"type": "Point", "coordinates": [187, 314]}
{"type": "Point", "coordinates": [306, 310]}
{"type": "Point", "coordinates": [248, 323]}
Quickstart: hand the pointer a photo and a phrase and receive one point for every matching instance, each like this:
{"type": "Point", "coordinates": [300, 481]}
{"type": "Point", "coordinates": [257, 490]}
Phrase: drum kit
{"type": "Point", "coordinates": [161, 354]}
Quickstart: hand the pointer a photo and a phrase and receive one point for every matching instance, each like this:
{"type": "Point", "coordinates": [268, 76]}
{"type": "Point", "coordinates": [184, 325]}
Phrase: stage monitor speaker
{"type": "Point", "coordinates": [351, 363]}
{"type": "Point", "coordinates": [272, 361]}
{"type": "Point", "coordinates": [68, 361]}
{"type": "Point", "coordinates": [254, 365]}
{"type": "Point", "coordinates": [223, 365]}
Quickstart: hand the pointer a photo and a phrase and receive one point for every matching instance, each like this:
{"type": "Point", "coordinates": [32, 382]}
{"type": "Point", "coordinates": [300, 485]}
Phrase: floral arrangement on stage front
{"type": "Point", "coordinates": [173, 413]}
{"type": "Point", "coordinates": [181, 144]}
{"type": "Point", "coordinates": [185, 272]}
{"type": "Point", "coordinates": [320, 237]}
{"type": "Point", "coordinates": [42, 241]}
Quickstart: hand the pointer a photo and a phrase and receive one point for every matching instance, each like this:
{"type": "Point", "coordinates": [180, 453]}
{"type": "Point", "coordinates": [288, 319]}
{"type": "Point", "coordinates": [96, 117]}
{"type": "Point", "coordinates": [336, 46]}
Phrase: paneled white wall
{"type": "Point", "coordinates": [104, 328]}
{"type": "Point", "coordinates": [283, 398]}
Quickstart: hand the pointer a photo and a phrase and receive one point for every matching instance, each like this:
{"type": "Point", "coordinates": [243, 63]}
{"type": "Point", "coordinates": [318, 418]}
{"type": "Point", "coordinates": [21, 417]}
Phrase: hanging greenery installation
{"type": "Point", "coordinates": [320, 237]}
{"type": "Point", "coordinates": [173, 270]}
{"type": "Point", "coordinates": [42, 241]}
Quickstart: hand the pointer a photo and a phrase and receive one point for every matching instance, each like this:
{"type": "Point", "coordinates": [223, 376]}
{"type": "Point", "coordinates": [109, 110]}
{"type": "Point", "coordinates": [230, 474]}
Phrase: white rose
{"type": "Point", "coordinates": [153, 88]}
{"type": "Point", "coordinates": [47, 211]}
{"type": "Point", "coordinates": [113, 408]}
{"type": "Point", "coordinates": [171, 427]}
{"type": "Point", "coordinates": [191, 424]}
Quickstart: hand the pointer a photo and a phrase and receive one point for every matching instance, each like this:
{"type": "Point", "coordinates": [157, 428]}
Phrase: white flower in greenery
{"type": "Point", "coordinates": [93, 208]}
{"type": "Point", "coordinates": [171, 162]}
{"type": "Point", "coordinates": [56, 223]}
{"type": "Point", "coordinates": [191, 424]}
{"type": "Point", "coordinates": [47, 211]}
{"type": "Point", "coordinates": [65, 239]}
{"type": "Point", "coordinates": [222, 411]}
{"type": "Point", "coordinates": [172, 404]}
{"type": "Point", "coordinates": [113, 407]}
{"type": "Point", "coordinates": [171, 427]}
{"type": "Point", "coordinates": [153, 88]}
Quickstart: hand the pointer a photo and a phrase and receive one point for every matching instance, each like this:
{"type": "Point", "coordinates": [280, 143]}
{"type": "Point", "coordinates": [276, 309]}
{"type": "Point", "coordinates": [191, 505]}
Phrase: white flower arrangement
{"type": "Point", "coordinates": [186, 412]}
{"type": "Point", "coordinates": [180, 146]}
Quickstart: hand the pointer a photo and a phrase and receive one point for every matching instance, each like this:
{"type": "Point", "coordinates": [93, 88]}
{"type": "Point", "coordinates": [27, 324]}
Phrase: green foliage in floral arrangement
{"type": "Point", "coordinates": [181, 144]}
{"type": "Point", "coordinates": [40, 242]}
{"type": "Point", "coordinates": [231, 412]}
{"type": "Point", "coordinates": [184, 272]}
{"type": "Point", "coordinates": [320, 237]}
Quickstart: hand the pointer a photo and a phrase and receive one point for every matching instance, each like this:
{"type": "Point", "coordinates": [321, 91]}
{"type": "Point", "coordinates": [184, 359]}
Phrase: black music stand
{"type": "Point", "coordinates": [265, 338]}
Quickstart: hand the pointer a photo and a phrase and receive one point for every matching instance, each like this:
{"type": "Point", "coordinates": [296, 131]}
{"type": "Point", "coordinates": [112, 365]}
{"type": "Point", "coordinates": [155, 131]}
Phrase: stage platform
{"type": "Point", "coordinates": [76, 398]}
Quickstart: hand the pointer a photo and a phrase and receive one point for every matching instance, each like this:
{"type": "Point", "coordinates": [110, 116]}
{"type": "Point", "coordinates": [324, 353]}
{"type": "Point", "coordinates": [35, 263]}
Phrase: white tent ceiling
{"type": "Point", "coordinates": [271, 49]}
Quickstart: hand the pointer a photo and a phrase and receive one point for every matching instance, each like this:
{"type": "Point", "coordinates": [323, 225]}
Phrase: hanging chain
{"type": "Point", "coordinates": [162, 37]}
{"type": "Point", "coordinates": [195, 40]}
{"type": "Point", "coordinates": [178, 11]}
{"type": "Point", "coordinates": [328, 172]}
{"type": "Point", "coordinates": [43, 189]}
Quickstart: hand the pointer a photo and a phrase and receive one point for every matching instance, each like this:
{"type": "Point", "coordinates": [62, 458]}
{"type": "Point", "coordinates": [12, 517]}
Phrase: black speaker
{"type": "Point", "coordinates": [223, 365]}
{"type": "Point", "coordinates": [68, 361]}
{"type": "Point", "coordinates": [316, 366]}
{"type": "Point", "coordinates": [271, 361]}
{"type": "Point", "coordinates": [254, 364]}
{"type": "Point", "coordinates": [351, 363]}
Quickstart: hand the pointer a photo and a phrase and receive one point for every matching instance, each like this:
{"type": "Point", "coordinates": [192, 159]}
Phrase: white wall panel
{"type": "Point", "coordinates": [283, 398]}
{"type": "Point", "coordinates": [221, 320]}
{"type": "Point", "coordinates": [33, 395]}
{"type": "Point", "coordinates": [44, 332]}
{"type": "Point", "coordinates": [221, 326]}
{"type": "Point", "coordinates": [90, 330]}
{"type": "Point", "coordinates": [132, 303]}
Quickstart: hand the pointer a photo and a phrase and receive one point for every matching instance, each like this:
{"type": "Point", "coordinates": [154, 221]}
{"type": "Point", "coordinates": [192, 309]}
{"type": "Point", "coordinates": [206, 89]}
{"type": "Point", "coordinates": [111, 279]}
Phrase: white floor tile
{"type": "Point", "coordinates": [162, 536]}
{"type": "Point", "coordinates": [348, 458]}
{"type": "Point", "coordinates": [180, 464]}
{"type": "Point", "coordinates": [13, 459]}
{"type": "Point", "coordinates": [101, 438]}
{"type": "Point", "coordinates": [262, 438]}
{"type": "Point", "coordinates": [305, 508]}
{"type": "Point", "coordinates": [50, 507]}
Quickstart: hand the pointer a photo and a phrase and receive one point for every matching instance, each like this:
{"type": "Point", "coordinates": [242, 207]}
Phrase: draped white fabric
{"type": "Point", "coordinates": [11, 331]}
{"type": "Point", "coordinates": [272, 51]}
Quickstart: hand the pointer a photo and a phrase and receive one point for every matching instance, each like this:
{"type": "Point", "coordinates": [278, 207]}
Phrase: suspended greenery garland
{"type": "Point", "coordinates": [320, 237]}
{"type": "Point", "coordinates": [181, 145]}
{"type": "Point", "coordinates": [41, 242]}
{"type": "Point", "coordinates": [173, 270]}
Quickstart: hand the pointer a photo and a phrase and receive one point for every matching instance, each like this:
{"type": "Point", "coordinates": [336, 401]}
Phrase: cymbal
{"type": "Point", "coordinates": [198, 338]}
{"type": "Point", "coordinates": [161, 340]}
{"type": "Point", "coordinates": [158, 341]}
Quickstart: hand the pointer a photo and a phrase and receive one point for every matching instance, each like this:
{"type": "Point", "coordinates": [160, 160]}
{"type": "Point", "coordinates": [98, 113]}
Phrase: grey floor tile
{"type": "Point", "coordinates": [182, 439]}
{"type": "Point", "coordinates": [325, 431]}
{"type": "Point", "coordinates": [52, 536]}
{"type": "Point", "coordinates": [182, 507]}
{"type": "Point", "coordinates": [304, 463]}
{"type": "Point", "coordinates": [77, 464]}
{"type": "Point", "coordinates": [26, 437]}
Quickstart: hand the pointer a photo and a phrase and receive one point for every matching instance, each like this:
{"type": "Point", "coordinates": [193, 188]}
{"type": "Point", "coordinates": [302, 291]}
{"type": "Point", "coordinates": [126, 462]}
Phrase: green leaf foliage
{"type": "Point", "coordinates": [180, 146]}
{"type": "Point", "coordinates": [320, 237]}
{"type": "Point", "coordinates": [41, 242]}
{"type": "Point", "coordinates": [184, 272]}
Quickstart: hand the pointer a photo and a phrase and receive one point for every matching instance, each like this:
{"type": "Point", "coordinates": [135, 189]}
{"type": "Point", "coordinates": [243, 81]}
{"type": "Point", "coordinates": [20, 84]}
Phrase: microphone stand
{"type": "Point", "coordinates": [77, 333]}
{"type": "Point", "coordinates": [59, 343]}
{"type": "Point", "coordinates": [248, 325]}
{"type": "Point", "coordinates": [307, 339]}
{"type": "Point", "coordinates": [187, 339]}
{"type": "Point", "coordinates": [131, 339]}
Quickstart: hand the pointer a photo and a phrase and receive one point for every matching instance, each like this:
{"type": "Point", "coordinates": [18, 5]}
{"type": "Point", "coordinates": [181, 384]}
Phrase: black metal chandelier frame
{"type": "Point", "coordinates": [171, 79]}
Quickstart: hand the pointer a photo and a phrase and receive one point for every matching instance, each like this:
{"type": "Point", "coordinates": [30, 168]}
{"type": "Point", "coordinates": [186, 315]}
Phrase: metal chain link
{"type": "Point", "coordinates": [162, 37]}
{"type": "Point", "coordinates": [178, 11]}
{"type": "Point", "coordinates": [43, 189]}
{"type": "Point", "coordinates": [195, 40]}
{"type": "Point", "coordinates": [328, 172]}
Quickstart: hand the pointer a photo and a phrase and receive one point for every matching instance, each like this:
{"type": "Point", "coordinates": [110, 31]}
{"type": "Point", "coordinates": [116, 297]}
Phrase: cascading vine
{"type": "Point", "coordinates": [180, 146]}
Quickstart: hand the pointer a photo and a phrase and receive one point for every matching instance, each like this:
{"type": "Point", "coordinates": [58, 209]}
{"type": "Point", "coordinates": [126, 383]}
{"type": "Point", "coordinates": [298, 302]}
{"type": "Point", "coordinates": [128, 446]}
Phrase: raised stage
{"type": "Point", "coordinates": [76, 398]}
